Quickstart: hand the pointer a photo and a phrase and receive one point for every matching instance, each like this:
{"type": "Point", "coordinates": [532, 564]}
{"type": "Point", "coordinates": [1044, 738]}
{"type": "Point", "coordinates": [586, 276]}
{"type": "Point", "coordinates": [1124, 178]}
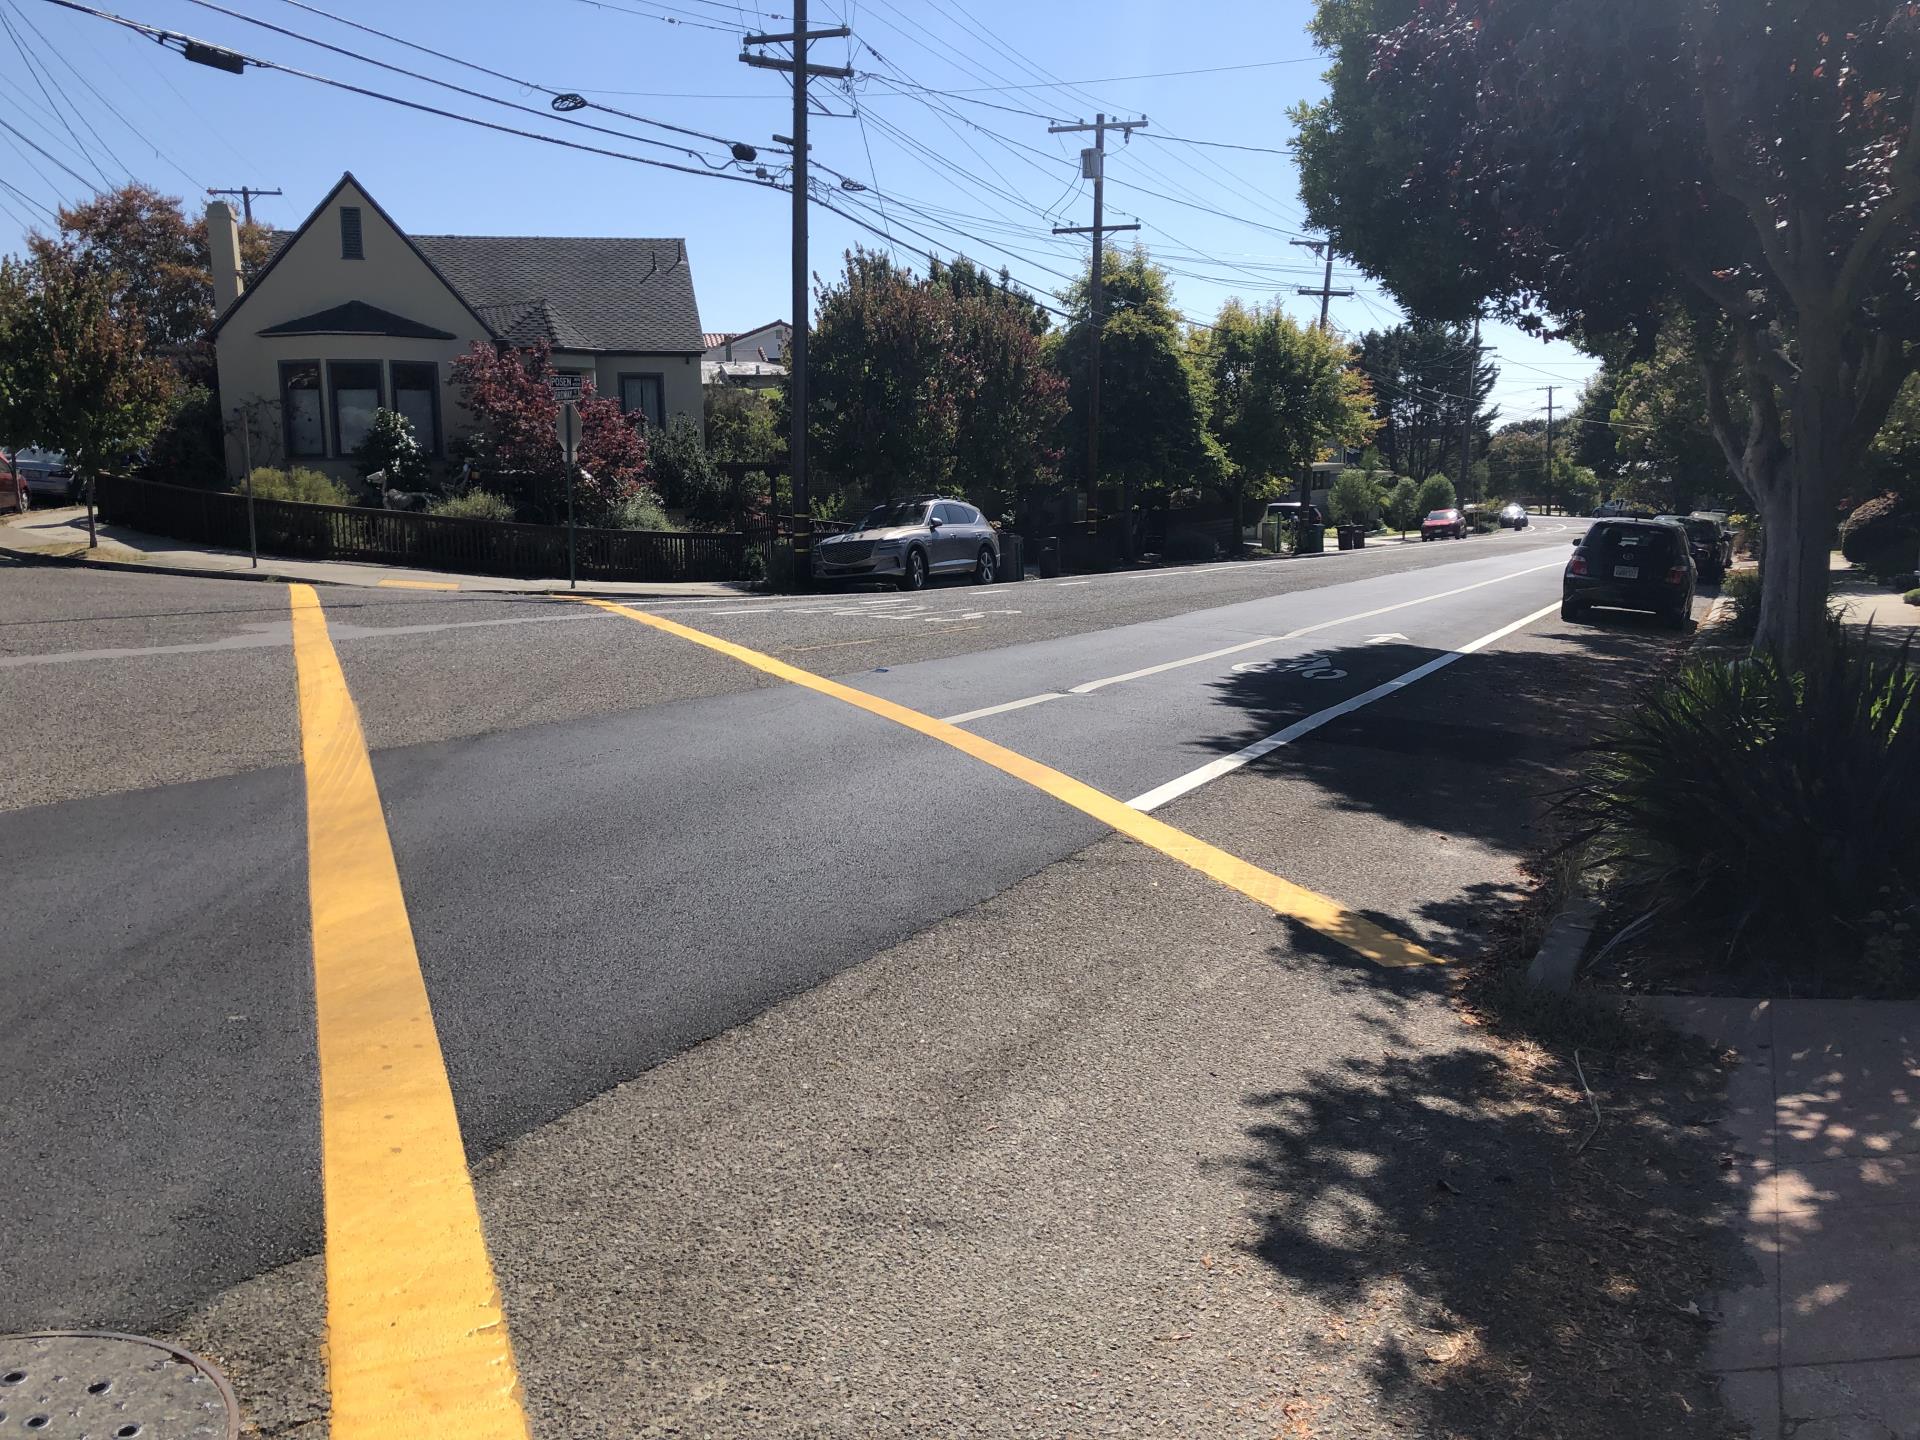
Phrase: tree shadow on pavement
{"type": "Point", "coordinates": [1488, 1278]}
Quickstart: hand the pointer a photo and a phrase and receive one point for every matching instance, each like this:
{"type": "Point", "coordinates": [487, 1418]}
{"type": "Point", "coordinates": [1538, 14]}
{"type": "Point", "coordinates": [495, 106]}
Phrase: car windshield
{"type": "Point", "coordinates": [1705, 530]}
{"type": "Point", "coordinates": [1441, 515]}
{"type": "Point", "coordinates": [910, 512]}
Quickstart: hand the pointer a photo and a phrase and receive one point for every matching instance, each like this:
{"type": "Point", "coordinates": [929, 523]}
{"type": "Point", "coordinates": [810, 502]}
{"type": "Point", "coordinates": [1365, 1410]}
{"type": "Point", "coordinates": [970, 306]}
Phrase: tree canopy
{"type": "Point", "coordinates": [1425, 375]}
{"type": "Point", "coordinates": [1279, 394]}
{"type": "Point", "coordinates": [1587, 168]}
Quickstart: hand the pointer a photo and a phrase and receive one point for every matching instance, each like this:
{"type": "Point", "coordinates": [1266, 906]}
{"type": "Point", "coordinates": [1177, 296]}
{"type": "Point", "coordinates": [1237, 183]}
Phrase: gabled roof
{"type": "Point", "coordinates": [577, 293]}
{"type": "Point", "coordinates": [716, 338]}
{"type": "Point", "coordinates": [597, 293]}
{"type": "Point", "coordinates": [356, 317]}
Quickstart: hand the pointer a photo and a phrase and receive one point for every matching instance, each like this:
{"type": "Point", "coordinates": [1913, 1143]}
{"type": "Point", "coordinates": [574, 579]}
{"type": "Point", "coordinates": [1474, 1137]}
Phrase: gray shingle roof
{"type": "Point", "coordinates": [581, 293]}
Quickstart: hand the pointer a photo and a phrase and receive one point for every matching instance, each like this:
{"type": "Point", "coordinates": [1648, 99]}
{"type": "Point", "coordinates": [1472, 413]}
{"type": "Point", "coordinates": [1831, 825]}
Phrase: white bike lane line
{"type": "Point", "coordinates": [1215, 769]}
{"type": "Point", "coordinates": [1090, 687]}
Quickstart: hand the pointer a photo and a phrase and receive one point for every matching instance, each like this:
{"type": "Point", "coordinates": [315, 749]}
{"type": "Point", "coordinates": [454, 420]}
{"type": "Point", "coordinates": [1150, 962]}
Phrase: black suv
{"type": "Point", "coordinates": [1712, 547]}
{"type": "Point", "coordinates": [1631, 565]}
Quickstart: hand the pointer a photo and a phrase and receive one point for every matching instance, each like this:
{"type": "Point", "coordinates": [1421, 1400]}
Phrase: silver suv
{"type": "Point", "coordinates": [908, 541]}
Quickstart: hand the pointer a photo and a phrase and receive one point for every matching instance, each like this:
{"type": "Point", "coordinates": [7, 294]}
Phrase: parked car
{"type": "Point", "coordinates": [15, 497]}
{"type": "Point", "coordinates": [1443, 523]}
{"type": "Point", "coordinates": [1711, 543]}
{"type": "Point", "coordinates": [49, 477]}
{"type": "Point", "coordinates": [1631, 565]}
{"type": "Point", "coordinates": [909, 541]}
{"type": "Point", "coordinates": [1514, 517]}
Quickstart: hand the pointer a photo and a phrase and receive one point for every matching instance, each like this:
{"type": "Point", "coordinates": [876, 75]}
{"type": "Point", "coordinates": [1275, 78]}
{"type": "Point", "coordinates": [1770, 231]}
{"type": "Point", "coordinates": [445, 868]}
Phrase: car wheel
{"type": "Point", "coordinates": [1680, 618]}
{"type": "Point", "coordinates": [984, 572]}
{"type": "Point", "coordinates": [1572, 611]}
{"type": "Point", "coordinates": [914, 577]}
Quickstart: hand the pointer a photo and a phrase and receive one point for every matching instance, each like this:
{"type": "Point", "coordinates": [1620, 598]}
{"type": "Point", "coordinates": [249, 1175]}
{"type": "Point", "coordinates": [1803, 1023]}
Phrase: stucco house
{"type": "Point", "coordinates": [351, 313]}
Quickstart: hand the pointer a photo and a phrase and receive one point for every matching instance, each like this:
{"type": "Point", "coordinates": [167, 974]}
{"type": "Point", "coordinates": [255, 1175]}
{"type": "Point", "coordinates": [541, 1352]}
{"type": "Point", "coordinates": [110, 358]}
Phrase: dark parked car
{"type": "Point", "coordinates": [1712, 546]}
{"type": "Point", "coordinates": [907, 541]}
{"type": "Point", "coordinates": [1443, 523]}
{"type": "Point", "coordinates": [1631, 565]}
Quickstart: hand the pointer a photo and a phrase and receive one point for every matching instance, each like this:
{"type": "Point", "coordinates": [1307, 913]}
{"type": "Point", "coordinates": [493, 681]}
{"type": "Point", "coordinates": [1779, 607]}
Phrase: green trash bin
{"type": "Point", "coordinates": [1310, 540]}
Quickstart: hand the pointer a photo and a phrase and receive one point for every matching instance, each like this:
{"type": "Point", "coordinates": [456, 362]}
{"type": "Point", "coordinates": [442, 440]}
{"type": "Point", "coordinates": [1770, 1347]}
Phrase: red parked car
{"type": "Point", "coordinates": [15, 498]}
{"type": "Point", "coordinates": [1443, 523]}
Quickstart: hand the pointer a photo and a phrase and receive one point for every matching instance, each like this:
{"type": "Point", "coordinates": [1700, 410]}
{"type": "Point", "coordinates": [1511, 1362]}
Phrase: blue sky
{"type": "Point", "coordinates": [946, 124]}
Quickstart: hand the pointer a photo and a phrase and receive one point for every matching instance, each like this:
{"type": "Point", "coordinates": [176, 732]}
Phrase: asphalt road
{"type": "Point", "coordinates": [613, 843]}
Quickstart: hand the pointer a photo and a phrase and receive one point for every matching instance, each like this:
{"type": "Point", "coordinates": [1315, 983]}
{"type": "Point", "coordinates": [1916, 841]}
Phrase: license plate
{"type": "Point", "coordinates": [1626, 572]}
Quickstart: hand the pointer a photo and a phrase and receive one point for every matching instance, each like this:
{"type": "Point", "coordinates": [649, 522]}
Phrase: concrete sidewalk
{"type": "Point", "coordinates": [1823, 1341]}
{"type": "Point", "coordinates": [62, 535]}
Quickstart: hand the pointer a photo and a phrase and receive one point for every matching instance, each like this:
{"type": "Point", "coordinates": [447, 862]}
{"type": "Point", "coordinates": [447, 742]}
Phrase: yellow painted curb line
{"type": "Point", "coordinates": [416, 1340]}
{"type": "Point", "coordinates": [1317, 912]}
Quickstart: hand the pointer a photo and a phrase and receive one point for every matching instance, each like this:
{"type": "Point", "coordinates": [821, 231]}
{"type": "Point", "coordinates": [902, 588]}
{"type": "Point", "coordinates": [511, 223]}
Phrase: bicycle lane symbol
{"type": "Point", "coordinates": [1316, 665]}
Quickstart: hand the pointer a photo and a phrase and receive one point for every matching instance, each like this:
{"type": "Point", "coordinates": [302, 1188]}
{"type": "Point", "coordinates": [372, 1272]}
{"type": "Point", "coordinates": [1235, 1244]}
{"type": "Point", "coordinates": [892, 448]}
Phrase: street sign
{"type": "Point", "coordinates": [567, 389]}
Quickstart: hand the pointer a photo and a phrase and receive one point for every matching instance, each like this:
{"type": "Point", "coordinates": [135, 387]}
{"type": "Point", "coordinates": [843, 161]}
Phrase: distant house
{"type": "Point", "coordinates": [351, 314]}
{"type": "Point", "coordinates": [767, 344]}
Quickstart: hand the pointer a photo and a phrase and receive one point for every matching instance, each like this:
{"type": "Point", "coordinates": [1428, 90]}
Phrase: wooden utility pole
{"type": "Point", "coordinates": [802, 302]}
{"type": "Point", "coordinates": [1093, 167]}
{"type": "Point", "coordinates": [246, 194]}
{"type": "Point", "coordinates": [1469, 406]}
{"type": "Point", "coordinates": [1326, 292]}
{"type": "Point", "coordinates": [1549, 480]}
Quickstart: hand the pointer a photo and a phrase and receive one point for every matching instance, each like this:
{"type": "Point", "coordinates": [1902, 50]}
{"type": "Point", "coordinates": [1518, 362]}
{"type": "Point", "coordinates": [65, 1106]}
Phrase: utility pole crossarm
{"type": "Point", "coordinates": [838, 32]}
{"type": "Point", "coordinates": [769, 62]}
{"type": "Point", "coordinates": [246, 194]}
{"type": "Point", "coordinates": [1088, 229]}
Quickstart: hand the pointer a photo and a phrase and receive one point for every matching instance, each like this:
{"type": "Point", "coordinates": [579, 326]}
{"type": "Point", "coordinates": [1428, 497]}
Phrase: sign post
{"type": "Point", "coordinates": [567, 389]}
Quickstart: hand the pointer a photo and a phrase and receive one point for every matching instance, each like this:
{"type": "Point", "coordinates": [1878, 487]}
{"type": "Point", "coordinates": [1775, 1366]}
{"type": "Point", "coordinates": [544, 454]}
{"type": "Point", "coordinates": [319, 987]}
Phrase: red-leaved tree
{"type": "Point", "coordinates": [515, 450]}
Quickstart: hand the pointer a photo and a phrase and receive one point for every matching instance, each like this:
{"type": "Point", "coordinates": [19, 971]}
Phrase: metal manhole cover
{"type": "Point", "coordinates": [94, 1385]}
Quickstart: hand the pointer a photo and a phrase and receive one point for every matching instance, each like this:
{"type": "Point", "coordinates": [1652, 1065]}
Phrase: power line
{"type": "Point", "coordinates": [25, 199]}
{"type": "Point", "coordinates": [163, 36]}
{"type": "Point", "coordinates": [48, 154]}
{"type": "Point", "coordinates": [1118, 79]}
{"type": "Point", "coordinates": [111, 108]}
{"type": "Point", "coordinates": [1222, 145]}
{"type": "Point", "coordinates": [449, 85]}
{"type": "Point", "coordinates": [53, 107]}
{"type": "Point", "coordinates": [696, 22]}
{"type": "Point", "coordinates": [511, 79]}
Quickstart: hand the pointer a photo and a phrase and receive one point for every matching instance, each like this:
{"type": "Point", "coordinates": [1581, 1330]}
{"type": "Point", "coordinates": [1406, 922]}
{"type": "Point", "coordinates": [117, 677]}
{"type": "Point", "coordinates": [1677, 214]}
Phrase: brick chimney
{"type": "Point", "coordinates": [223, 249]}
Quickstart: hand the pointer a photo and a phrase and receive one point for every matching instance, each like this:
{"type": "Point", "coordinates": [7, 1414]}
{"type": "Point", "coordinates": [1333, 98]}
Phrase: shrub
{"type": "Point", "coordinates": [474, 505]}
{"type": "Point", "coordinates": [1881, 534]}
{"type": "Point", "coordinates": [1776, 807]}
{"type": "Point", "coordinates": [641, 511]}
{"type": "Point", "coordinates": [390, 447]}
{"type": "Point", "coordinates": [1436, 493]}
{"type": "Point", "coordinates": [308, 486]}
{"type": "Point", "coordinates": [683, 473]}
{"type": "Point", "coordinates": [1354, 499]}
{"type": "Point", "coordinates": [1742, 587]}
{"type": "Point", "coordinates": [1403, 505]}
{"type": "Point", "coordinates": [1483, 522]}
{"type": "Point", "coordinates": [1912, 597]}
{"type": "Point", "coordinates": [189, 449]}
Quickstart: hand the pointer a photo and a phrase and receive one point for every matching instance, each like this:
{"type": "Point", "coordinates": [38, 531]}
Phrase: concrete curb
{"type": "Point", "coordinates": [1558, 960]}
{"type": "Point", "coordinates": [195, 572]}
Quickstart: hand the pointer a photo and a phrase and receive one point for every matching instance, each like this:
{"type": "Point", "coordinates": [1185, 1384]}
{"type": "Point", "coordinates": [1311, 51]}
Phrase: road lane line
{"type": "Point", "coordinates": [1003, 709]}
{"type": "Point", "coordinates": [1317, 912]}
{"type": "Point", "coordinates": [1227, 764]}
{"type": "Point", "coordinates": [420, 584]}
{"type": "Point", "coordinates": [416, 1339]}
{"type": "Point", "coordinates": [1094, 685]}
{"type": "Point", "coordinates": [1068, 584]}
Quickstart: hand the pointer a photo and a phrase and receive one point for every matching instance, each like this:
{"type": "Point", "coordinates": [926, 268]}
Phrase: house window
{"type": "Point", "coordinates": [350, 247]}
{"type": "Point", "coordinates": [416, 395]}
{"type": "Point", "coordinates": [306, 436]}
{"type": "Point", "coordinates": [356, 395]}
{"type": "Point", "coordinates": [644, 395]}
